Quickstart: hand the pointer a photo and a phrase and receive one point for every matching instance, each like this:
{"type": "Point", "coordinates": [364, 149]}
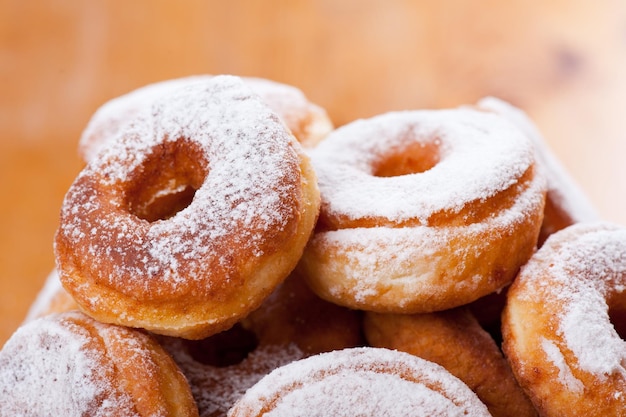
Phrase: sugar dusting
{"type": "Point", "coordinates": [332, 392]}
{"type": "Point", "coordinates": [216, 389]}
{"type": "Point", "coordinates": [586, 263]}
{"type": "Point", "coordinates": [116, 114]}
{"type": "Point", "coordinates": [253, 172]}
{"type": "Point", "coordinates": [480, 156]}
{"type": "Point", "coordinates": [565, 372]}
{"type": "Point", "coordinates": [361, 381]}
{"type": "Point", "coordinates": [364, 248]}
{"type": "Point", "coordinates": [48, 367]}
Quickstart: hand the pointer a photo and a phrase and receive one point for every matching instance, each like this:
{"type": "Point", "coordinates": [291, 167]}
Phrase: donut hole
{"type": "Point", "coordinates": [167, 181]}
{"type": "Point", "coordinates": [224, 349]}
{"type": "Point", "coordinates": [617, 314]}
{"type": "Point", "coordinates": [415, 158]}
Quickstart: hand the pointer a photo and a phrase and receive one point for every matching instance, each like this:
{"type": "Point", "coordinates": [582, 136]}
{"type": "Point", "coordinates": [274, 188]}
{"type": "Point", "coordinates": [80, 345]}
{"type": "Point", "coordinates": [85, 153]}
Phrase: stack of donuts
{"type": "Point", "coordinates": [226, 251]}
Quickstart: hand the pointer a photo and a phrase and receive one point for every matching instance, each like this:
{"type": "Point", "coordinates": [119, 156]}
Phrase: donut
{"type": "Point", "coordinates": [68, 364]}
{"type": "Point", "coordinates": [51, 298]}
{"type": "Point", "coordinates": [291, 324]}
{"type": "Point", "coordinates": [566, 202]}
{"type": "Point", "coordinates": [561, 320]}
{"type": "Point", "coordinates": [308, 122]}
{"type": "Point", "coordinates": [422, 210]}
{"type": "Point", "coordinates": [363, 381]}
{"type": "Point", "coordinates": [293, 314]}
{"type": "Point", "coordinates": [455, 340]}
{"type": "Point", "coordinates": [190, 217]}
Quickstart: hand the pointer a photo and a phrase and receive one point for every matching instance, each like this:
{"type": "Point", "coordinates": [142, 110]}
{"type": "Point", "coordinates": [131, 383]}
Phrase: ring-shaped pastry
{"type": "Point", "coordinates": [191, 216]}
{"type": "Point", "coordinates": [67, 364]}
{"type": "Point", "coordinates": [561, 321]}
{"type": "Point", "coordinates": [422, 210]}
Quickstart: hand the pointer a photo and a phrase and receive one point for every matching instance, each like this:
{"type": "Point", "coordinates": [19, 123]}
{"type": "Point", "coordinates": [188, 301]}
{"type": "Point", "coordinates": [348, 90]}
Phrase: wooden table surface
{"type": "Point", "coordinates": [564, 63]}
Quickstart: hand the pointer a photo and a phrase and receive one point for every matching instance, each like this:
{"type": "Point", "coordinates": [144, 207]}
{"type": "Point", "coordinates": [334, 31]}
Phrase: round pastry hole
{"type": "Point", "coordinates": [166, 203]}
{"type": "Point", "coordinates": [618, 319]}
{"type": "Point", "coordinates": [167, 181]}
{"type": "Point", "coordinates": [224, 349]}
{"type": "Point", "coordinates": [413, 159]}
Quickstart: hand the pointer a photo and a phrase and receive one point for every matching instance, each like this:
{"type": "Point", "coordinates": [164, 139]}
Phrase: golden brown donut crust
{"type": "Point", "coordinates": [455, 340]}
{"type": "Point", "coordinates": [293, 314]}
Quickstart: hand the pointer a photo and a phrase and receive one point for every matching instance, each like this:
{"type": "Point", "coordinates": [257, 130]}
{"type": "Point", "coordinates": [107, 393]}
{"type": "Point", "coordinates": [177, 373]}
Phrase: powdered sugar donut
{"type": "Point", "coordinates": [360, 381]}
{"type": "Point", "coordinates": [71, 365]}
{"type": "Point", "coordinates": [308, 122]}
{"type": "Point", "coordinates": [191, 216]}
{"type": "Point", "coordinates": [566, 203]}
{"type": "Point", "coordinates": [422, 210]}
{"type": "Point", "coordinates": [557, 323]}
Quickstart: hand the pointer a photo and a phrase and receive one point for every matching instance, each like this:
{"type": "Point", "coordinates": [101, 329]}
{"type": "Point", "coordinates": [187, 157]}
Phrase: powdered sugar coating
{"type": "Point", "coordinates": [216, 389]}
{"type": "Point", "coordinates": [307, 121]}
{"type": "Point", "coordinates": [51, 367]}
{"type": "Point", "coordinates": [479, 156]}
{"type": "Point", "coordinates": [581, 268]}
{"type": "Point", "coordinates": [565, 372]}
{"type": "Point", "coordinates": [360, 381]}
{"type": "Point", "coordinates": [412, 256]}
{"type": "Point", "coordinates": [113, 116]}
{"type": "Point", "coordinates": [253, 175]}
{"type": "Point", "coordinates": [334, 389]}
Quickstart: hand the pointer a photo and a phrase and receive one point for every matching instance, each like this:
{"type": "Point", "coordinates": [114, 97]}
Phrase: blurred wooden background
{"type": "Point", "coordinates": [563, 61]}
